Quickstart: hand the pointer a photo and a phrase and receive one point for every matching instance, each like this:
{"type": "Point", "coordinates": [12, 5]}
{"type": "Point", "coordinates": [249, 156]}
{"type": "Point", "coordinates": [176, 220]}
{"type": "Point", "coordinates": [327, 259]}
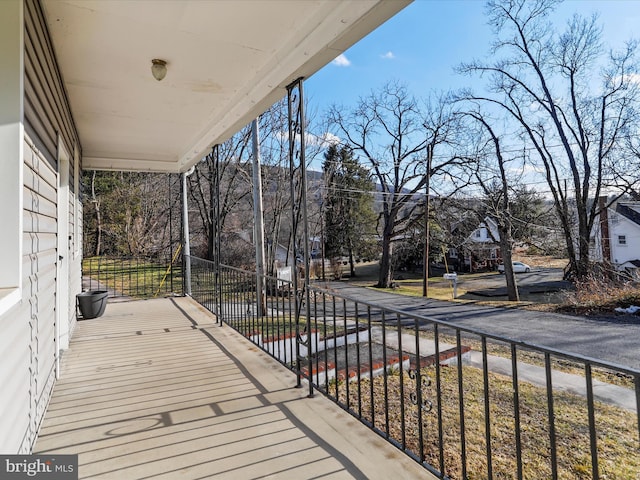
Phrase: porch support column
{"type": "Point", "coordinates": [257, 216]}
{"type": "Point", "coordinates": [298, 183]}
{"type": "Point", "coordinates": [185, 222]}
{"type": "Point", "coordinates": [217, 226]}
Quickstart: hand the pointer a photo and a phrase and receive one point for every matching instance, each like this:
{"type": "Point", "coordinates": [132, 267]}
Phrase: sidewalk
{"type": "Point", "coordinates": [613, 340]}
{"type": "Point", "coordinates": [449, 311]}
{"type": "Point", "coordinates": [604, 392]}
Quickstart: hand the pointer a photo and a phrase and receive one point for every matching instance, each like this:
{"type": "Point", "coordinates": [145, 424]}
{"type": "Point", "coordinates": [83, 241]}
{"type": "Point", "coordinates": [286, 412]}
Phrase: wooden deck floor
{"type": "Point", "coordinates": [155, 389]}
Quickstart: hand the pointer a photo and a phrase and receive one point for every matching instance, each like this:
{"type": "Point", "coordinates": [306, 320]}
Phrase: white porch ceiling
{"type": "Point", "coordinates": [227, 62]}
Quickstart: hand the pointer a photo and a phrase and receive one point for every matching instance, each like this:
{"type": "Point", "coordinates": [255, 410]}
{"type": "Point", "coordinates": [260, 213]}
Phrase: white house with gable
{"type": "Point", "coordinates": [616, 236]}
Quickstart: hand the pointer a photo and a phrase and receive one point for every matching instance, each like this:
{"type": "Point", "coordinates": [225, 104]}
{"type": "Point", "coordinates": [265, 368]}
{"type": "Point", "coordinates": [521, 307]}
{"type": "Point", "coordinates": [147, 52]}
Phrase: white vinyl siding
{"type": "Point", "coordinates": [28, 330]}
{"type": "Point", "coordinates": [15, 378]}
{"type": "Point", "coordinates": [39, 283]}
{"type": "Point", "coordinates": [28, 325]}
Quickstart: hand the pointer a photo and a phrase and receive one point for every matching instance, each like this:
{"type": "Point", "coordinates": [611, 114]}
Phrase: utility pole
{"type": "Point", "coordinates": [425, 281]}
{"type": "Point", "coordinates": [257, 215]}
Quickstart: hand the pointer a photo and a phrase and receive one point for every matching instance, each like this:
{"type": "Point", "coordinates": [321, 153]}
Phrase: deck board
{"type": "Point", "coordinates": [156, 389]}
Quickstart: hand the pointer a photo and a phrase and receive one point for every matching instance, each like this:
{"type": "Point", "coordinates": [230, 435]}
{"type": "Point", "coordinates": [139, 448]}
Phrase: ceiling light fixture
{"type": "Point", "coordinates": [158, 68]}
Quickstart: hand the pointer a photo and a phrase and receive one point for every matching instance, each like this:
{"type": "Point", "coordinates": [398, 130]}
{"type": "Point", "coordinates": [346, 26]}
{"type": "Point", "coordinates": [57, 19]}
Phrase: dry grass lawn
{"type": "Point", "coordinates": [618, 452]}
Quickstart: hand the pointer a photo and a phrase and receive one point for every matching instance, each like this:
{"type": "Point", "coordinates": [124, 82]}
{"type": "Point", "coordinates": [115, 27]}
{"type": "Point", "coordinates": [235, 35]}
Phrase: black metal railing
{"type": "Point", "coordinates": [463, 403]}
{"type": "Point", "coordinates": [135, 277]}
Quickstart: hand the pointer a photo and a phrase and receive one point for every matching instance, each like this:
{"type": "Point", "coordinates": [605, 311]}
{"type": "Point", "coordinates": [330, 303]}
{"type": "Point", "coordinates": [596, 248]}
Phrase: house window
{"type": "Point", "coordinates": [453, 253]}
{"type": "Point", "coordinates": [622, 240]}
{"type": "Point", "coordinates": [477, 233]}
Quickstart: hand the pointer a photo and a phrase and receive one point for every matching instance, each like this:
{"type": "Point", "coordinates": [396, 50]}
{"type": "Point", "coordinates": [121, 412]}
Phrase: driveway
{"type": "Point", "coordinates": [612, 339]}
{"type": "Point", "coordinates": [539, 280]}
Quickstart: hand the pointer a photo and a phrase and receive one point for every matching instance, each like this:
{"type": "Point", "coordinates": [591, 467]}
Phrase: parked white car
{"type": "Point", "coordinates": [518, 267]}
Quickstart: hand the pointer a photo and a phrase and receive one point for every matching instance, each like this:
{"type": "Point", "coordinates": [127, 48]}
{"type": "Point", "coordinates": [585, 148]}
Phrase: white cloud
{"type": "Point", "coordinates": [328, 139]}
{"type": "Point", "coordinates": [388, 56]}
{"type": "Point", "coordinates": [325, 140]}
{"type": "Point", "coordinates": [634, 77]}
{"type": "Point", "coordinates": [341, 61]}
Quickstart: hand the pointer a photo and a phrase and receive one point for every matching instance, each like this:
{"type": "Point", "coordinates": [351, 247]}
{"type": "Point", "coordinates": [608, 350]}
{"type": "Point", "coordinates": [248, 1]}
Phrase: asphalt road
{"type": "Point", "coordinates": [612, 339]}
{"type": "Point", "coordinates": [494, 284]}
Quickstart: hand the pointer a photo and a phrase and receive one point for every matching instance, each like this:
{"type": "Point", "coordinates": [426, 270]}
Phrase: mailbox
{"type": "Point", "coordinates": [453, 278]}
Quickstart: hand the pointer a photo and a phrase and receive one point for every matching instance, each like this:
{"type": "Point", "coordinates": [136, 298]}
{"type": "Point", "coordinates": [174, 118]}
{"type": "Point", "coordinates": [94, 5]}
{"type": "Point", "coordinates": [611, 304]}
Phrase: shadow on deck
{"type": "Point", "coordinates": [155, 389]}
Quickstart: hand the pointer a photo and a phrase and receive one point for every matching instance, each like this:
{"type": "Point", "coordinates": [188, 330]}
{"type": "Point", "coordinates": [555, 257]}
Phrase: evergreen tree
{"type": "Point", "coordinates": [348, 206]}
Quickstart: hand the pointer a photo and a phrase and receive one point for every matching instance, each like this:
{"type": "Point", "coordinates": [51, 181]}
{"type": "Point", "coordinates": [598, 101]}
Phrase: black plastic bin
{"type": "Point", "coordinates": [92, 303]}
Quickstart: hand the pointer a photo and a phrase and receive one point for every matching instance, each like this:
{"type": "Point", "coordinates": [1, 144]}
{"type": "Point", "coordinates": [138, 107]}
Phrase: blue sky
{"type": "Point", "coordinates": [423, 43]}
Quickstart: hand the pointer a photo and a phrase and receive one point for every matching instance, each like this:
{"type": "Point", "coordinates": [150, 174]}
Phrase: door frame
{"type": "Point", "coordinates": [63, 258]}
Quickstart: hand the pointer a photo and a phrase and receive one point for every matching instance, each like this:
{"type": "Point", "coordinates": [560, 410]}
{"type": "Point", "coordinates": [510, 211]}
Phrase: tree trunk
{"type": "Point", "coordinates": [384, 278]}
{"type": "Point", "coordinates": [96, 204]}
{"type": "Point", "coordinates": [506, 243]}
{"type": "Point", "coordinates": [352, 266]}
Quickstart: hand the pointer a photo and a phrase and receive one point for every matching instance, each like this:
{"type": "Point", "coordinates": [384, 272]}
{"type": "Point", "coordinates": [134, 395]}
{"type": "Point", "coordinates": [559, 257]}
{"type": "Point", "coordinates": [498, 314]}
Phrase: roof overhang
{"type": "Point", "coordinates": [227, 62]}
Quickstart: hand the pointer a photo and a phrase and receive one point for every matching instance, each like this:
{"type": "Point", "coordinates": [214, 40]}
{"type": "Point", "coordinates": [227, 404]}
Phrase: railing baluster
{"type": "Point", "coordinates": [291, 329]}
{"type": "Point", "coordinates": [385, 377]}
{"type": "Point", "coordinates": [487, 407]}
{"type": "Point", "coordinates": [371, 385]}
{"type": "Point", "coordinates": [234, 302]}
{"type": "Point", "coordinates": [326, 340]}
{"type": "Point", "coordinates": [420, 381]}
{"type": "Point", "coordinates": [592, 423]}
{"type": "Point", "coordinates": [271, 306]}
{"type": "Point", "coordinates": [552, 421]}
{"type": "Point", "coordinates": [463, 439]}
{"type": "Point", "coordinates": [358, 361]}
{"type": "Point", "coordinates": [403, 423]}
{"type": "Point", "coordinates": [516, 408]}
{"type": "Point", "coordinates": [636, 381]}
{"type": "Point", "coordinates": [335, 350]}
{"type": "Point", "coordinates": [315, 340]}
{"type": "Point", "coordinates": [436, 336]}
{"type": "Point", "coordinates": [346, 352]}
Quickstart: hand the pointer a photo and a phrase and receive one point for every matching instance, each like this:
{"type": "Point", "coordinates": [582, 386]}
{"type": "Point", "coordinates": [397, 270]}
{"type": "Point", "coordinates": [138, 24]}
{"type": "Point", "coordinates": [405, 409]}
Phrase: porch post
{"type": "Point", "coordinates": [215, 214]}
{"type": "Point", "coordinates": [298, 183]}
{"type": "Point", "coordinates": [185, 221]}
{"type": "Point", "coordinates": [257, 216]}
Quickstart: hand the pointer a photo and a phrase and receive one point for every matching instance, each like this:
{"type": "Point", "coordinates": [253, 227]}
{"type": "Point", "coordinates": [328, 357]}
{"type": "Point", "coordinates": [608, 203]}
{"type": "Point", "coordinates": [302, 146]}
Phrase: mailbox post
{"type": "Point", "coordinates": [453, 279]}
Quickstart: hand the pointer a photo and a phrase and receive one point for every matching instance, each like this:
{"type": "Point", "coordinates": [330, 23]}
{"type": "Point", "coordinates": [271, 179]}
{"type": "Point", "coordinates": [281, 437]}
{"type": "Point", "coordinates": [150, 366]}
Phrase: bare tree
{"type": "Point", "coordinates": [233, 172]}
{"type": "Point", "coordinates": [277, 196]}
{"type": "Point", "coordinates": [546, 82]}
{"type": "Point", "coordinates": [129, 213]}
{"type": "Point", "coordinates": [95, 201]}
{"type": "Point", "coordinates": [391, 132]}
{"type": "Point", "coordinates": [496, 187]}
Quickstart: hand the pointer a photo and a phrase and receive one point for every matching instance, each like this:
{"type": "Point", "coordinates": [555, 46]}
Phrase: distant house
{"type": "Point", "coordinates": [283, 256]}
{"type": "Point", "coordinates": [616, 236]}
{"type": "Point", "coordinates": [480, 250]}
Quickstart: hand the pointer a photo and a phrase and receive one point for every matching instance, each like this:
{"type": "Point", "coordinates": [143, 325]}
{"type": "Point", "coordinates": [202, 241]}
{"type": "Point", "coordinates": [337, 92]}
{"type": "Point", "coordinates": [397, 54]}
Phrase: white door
{"type": "Point", "coordinates": [62, 268]}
